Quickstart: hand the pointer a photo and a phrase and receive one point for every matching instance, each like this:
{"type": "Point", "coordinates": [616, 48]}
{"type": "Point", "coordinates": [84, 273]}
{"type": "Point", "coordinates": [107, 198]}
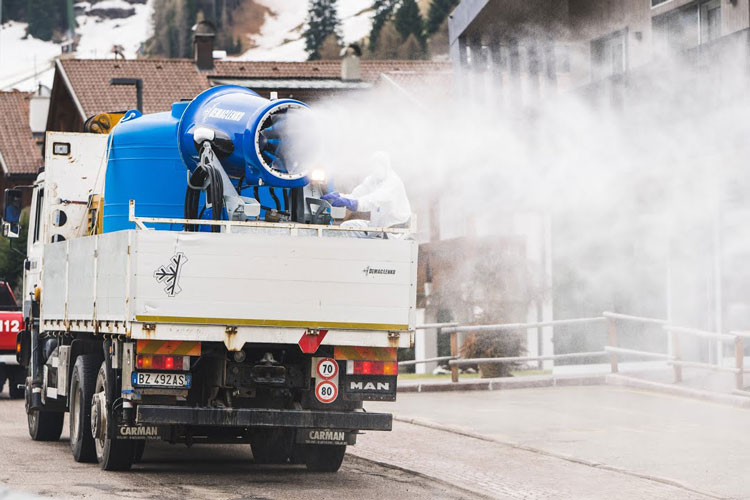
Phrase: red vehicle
{"type": "Point", "coordinates": [11, 323]}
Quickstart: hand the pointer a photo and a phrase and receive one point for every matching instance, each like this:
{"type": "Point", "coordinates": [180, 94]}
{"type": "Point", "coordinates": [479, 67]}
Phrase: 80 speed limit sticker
{"type": "Point", "coordinates": [326, 391]}
{"type": "Point", "coordinates": [327, 368]}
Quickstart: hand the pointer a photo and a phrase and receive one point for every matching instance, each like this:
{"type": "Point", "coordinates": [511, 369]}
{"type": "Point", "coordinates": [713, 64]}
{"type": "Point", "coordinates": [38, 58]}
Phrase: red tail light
{"type": "Point", "coordinates": [158, 362]}
{"type": "Point", "coordinates": [372, 367]}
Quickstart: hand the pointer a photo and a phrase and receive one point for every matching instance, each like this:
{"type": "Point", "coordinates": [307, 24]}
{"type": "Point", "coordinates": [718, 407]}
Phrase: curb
{"type": "Point", "coordinates": [497, 384]}
{"type": "Point", "coordinates": [676, 390]}
{"type": "Point", "coordinates": [569, 458]}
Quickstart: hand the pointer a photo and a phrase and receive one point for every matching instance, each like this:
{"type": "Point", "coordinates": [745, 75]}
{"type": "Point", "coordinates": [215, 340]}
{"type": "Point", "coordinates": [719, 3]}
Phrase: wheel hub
{"type": "Point", "coordinates": [99, 415]}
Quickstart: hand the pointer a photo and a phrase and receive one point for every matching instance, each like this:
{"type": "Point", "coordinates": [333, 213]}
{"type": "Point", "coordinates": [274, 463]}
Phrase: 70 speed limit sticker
{"type": "Point", "coordinates": [325, 371]}
{"type": "Point", "coordinates": [326, 391]}
{"type": "Point", "coordinates": [327, 368]}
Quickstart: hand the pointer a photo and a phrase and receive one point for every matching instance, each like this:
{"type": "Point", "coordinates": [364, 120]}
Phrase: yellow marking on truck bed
{"type": "Point", "coordinates": [174, 347]}
{"type": "Point", "coordinates": [271, 322]}
{"type": "Point", "coordinates": [359, 353]}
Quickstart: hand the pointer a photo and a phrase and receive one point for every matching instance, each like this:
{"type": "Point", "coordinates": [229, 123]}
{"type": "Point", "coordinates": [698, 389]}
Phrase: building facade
{"type": "Point", "coordinates": [528, 51]}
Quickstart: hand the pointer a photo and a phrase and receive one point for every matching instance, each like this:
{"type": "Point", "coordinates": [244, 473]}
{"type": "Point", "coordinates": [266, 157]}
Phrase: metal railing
{"type": "Point", "coordinates": [674, 334]}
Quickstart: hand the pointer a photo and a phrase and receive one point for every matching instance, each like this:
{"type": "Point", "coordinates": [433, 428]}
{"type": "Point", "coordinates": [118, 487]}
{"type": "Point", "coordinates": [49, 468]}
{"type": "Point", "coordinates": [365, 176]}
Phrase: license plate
{"type": "Point", "coordinates": [150, 379]}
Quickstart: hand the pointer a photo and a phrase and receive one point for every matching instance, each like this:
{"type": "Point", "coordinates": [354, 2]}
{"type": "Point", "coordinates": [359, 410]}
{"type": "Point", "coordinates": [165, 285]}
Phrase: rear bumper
{"type": "Point", "coordinates": [255, 417]}
{"type": "Point", "coordinates": [8, 359]}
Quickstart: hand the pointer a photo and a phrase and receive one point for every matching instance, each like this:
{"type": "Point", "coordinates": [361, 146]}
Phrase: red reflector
{"type": "Point", "coordinates": [374, 367]}
{"type": "Point", "coordinates": [160, 362]}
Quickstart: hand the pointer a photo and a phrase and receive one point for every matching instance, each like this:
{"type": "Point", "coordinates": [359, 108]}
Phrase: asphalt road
{"type": "Point", "coordinates": [696, 446]}
{"type": "Point", "coordinates": [551, 443]}
{"type": "Point", "coordinates": [203, 471]}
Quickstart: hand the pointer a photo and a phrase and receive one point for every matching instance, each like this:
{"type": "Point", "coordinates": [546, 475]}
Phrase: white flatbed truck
{"type": "Point", "coordinates": [271, 334]}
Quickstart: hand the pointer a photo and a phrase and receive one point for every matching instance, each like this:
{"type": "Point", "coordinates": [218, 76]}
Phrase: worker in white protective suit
{"type": "Point", "coordinates": [381, 193]}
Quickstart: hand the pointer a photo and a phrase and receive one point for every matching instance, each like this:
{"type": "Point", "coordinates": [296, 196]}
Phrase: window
{"type": "Point", "coordinates": [676, 30]}
{"type": "Point", "coordinates": [38, 213]}
{"type": "Point", "coordinates": [609, 55]}
{"type": "Point", "coordinates": [710, 15]}
{"type": "Point", "coordinates": [654, 3]}
{"type": "Point", "coordinates": [688, 27]}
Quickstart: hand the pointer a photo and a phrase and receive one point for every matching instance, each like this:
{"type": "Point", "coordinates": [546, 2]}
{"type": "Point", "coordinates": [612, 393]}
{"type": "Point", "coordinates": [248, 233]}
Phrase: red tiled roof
{"type": "Point", "coordinates": [19, 150]}
{"type": "Point", "coordinates": [166, 81]}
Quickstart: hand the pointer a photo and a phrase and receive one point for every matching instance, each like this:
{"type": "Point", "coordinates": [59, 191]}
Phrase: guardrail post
{"type": "Point", "coordinates": [677, 356]}
{"type": "Point", "coordinates": [613, 358]}
{"type": "Point", "coordinates": [454, 354]}
{"type": "Point", "coordinates": [739, 354]}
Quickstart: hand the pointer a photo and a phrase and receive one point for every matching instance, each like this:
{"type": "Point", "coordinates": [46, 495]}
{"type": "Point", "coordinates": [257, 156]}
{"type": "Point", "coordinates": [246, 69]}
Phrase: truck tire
{"type": "Point", "coordinates": [82, 385]}
{"type": "Point", "coordinates": [43, 425]}
{"type": "Point", "coordinates": [272, 446]}
{"type": "Point", "coordinates": [139, 446]}
{"type": "Point", "coordinates": [16, 377]}
{"type": "Point", "coordinates": [111, 453]}
{"type": "Point", "coordinates": [324, 457]}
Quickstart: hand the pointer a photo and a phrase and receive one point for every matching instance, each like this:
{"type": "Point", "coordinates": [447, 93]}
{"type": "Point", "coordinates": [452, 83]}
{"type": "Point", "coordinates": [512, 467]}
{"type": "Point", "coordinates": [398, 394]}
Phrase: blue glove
{"type": "Point", "coordinates": [350, 204]}
{"type": "Point", "coordinates": [336, 200]}
{"type": "Point", "coordinates": [330, 197]}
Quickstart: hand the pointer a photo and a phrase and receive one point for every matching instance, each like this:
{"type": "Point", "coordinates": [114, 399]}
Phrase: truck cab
{"type": "Point", "coordinates": [170, 296]}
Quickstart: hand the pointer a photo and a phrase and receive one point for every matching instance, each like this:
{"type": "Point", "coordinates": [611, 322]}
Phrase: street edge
{"type": "Point", "coordinates": [351, 452]}
{"type": "Point", "coordinates": [496, 384]}
{"type": "Point", "coordinates": [569, 458]}
{"type": "Point", "coordinates": [676, 390]}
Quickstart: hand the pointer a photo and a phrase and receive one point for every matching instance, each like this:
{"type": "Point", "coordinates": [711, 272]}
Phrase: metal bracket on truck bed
{"type": "Point", "coordinates": [255, 417]}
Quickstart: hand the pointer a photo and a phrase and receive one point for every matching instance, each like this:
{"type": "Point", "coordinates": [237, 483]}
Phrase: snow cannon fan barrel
{"type": "Point", "coordinates": [253, 137]}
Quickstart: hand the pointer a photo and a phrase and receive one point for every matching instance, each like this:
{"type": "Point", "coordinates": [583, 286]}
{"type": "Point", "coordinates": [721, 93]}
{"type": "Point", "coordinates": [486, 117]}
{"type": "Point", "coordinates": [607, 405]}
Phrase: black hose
{"type": "Point", "coordinates": [275, 199]}
{"type": "Point", "coordinates": [209, 176]}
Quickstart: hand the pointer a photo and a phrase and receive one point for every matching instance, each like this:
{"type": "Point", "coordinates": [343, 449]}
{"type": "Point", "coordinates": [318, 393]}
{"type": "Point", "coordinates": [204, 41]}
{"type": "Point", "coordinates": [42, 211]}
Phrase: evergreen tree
{"type": "Point", "coordinates": [408, 21]}
{"type": "Point", "coordinates": [45, 17]}
{"type": "Point", "coordinates": [322, 21]}
{"type": "Point", "coordinates": [410, 49]}
{"type": "Point", "coordinates": [330, 49]}
{"type": "Point", "coordinates": [14, 10]}
{"type": "Point", "coordinates": [438, 44]}
{"type": "Point", "coordinates": [383, 12]}
{"type": "Point", "coordinates": [437, 13]}
{"type": "Point", "coordinates": [11, 263]}
{"type": "Point", "coordinates": [388, 43]}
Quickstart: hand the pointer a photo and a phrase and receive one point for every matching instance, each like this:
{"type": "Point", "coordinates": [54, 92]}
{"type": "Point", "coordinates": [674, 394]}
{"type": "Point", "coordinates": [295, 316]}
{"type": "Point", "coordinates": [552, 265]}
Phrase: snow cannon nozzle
{"type": "Point", "coordinates": [258, 140]}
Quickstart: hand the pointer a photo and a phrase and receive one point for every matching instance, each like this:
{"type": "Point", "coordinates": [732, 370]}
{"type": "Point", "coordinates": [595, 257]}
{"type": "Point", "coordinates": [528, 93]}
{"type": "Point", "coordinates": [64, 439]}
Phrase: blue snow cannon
{"type": "Point", "coordinates": [261, 144]}
{"type": "Point", "coordinates": [257, 140]}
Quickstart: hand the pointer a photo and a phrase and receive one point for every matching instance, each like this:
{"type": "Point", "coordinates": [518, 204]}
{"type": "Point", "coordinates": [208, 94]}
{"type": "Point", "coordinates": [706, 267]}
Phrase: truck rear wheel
{"type": "Point", "coordinates": [82, 385]}
{"type": "Point", "coordinates": [111, 453]}
{"type": "Point", "coordinates": [16, 378]}
{"type": "Point", "coordinates": [139, 446]}
{"type": "Point", "coordinates": [43, 425]}
{"type": "Point", "coordinates": [324, 457]}
{"type": "Point", "coordinates": [272, 446]}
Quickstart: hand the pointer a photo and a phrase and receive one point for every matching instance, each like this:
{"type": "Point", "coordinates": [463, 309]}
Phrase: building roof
{"type": "Point", "coordinates": [166, 81]}
{"type": "Point", "coordinates": [19, 153]}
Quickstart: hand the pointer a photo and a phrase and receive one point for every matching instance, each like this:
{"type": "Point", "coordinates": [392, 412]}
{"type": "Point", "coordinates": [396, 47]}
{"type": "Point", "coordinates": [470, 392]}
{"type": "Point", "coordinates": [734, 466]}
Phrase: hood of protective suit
{"type": "Point", "coordinates": [382, 193]}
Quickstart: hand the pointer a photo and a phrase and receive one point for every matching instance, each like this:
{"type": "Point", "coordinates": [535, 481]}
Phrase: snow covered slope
{"type": "Point", "coordinates": [281, 39]}
{"type": "Point", "coordinates": [25, 61]}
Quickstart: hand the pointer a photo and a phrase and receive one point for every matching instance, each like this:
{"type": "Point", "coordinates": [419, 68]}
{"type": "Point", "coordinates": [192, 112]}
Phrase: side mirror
{"type": "Point", "coordinates": [12, 204]}
{"type": "Point", "coordinates": [11, 230]}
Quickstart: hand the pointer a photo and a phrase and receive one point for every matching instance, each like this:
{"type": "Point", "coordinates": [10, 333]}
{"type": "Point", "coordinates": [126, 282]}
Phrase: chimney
{"type": "Point", "coordinates": [38, 108]}
{"type": "Point", "coordinates": [203, 45]}
{"type": "Point", "coordinates": [350, 71]}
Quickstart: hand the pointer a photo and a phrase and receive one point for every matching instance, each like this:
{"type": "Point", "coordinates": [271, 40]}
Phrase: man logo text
{"type": "Point", "coordinates": [369, 386]}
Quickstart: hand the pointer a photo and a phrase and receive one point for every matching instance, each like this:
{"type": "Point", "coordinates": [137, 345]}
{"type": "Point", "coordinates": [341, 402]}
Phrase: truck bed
{"type": "Point", "coordinates": [232, 287]}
